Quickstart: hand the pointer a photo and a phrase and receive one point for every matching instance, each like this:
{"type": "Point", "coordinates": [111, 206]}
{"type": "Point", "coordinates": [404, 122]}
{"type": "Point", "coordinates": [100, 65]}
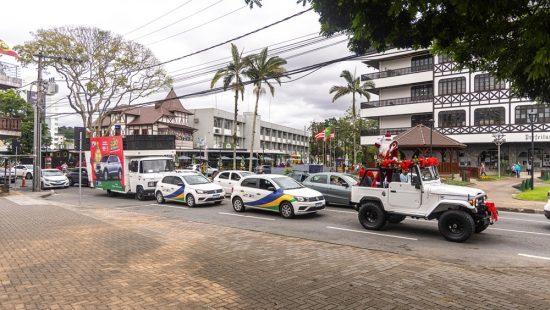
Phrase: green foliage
{"type": "Point", "coordinates": [67, 132]}
{"type": "Point", "coordinates": [537, 194]}
{"type": "Point", "coordinates": [506, 38]}
{"type": "Point", "coordinates": [288, 171]}
{"type": "Point", "coordinates": [12, 105]}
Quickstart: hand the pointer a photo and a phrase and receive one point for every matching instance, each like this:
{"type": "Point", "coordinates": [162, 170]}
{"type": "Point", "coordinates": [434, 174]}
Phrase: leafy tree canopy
{"type": "Point", "coordinates": [100, 69]}
{"type": "Point", "coordinates": [510, 39]}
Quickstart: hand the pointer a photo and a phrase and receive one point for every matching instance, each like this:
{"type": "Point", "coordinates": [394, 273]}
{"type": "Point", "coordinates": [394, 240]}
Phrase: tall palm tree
{"type": "Point", "coordinates": [353, 87]}
{"type": "Point", "coordinates": [232, 78]}
{"type": "Point", "coordinates": [262, 69]}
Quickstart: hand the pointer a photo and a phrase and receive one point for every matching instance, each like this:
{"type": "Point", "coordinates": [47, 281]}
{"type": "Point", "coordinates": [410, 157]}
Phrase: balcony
{"type": "Point", "coordinates": [382, 131]}
{"type": "Point", "coordinates": [396, 72]}
{"type": "Point", "coordinates": [395, 101]}
{"type": "Point", "coordinates": [397, 106]}
{"type": "Point", "coordinates": [10, 76]}
{"type": "Point", "coordinates": [10, 127]}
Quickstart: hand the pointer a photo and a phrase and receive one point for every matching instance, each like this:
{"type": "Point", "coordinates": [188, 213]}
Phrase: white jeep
{"type": "Point", "coordinates": [461, 211]}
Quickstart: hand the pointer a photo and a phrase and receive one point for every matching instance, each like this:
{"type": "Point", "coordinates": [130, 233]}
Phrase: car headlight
{"type": "Point", "coordinates": [151, 184]}
{"type": "Point", "coordinates": [300, 199]}
{"type": "Point", "coordinates": [199, 191]}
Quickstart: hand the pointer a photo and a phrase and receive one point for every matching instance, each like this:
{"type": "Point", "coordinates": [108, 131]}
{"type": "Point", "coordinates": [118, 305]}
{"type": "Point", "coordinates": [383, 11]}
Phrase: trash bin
{"type": "Point", "coordinates": [465, 175]}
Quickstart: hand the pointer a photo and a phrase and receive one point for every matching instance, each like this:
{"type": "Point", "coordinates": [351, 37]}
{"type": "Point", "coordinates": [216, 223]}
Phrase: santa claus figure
{"type": "Point", "coordinates": [387, 149]}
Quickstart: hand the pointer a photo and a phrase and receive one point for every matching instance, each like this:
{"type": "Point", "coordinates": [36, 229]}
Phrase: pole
{"type": "Point", "coordinates": [431, 133]}
{"type": "Point", "coordinates": [37, 169]}
{"type": "Point", "coordinates": [80, 170]}
{"type": "Point", "coordinates": [498, 164]}
{"type": "Point", "coordinates": [532, 152]}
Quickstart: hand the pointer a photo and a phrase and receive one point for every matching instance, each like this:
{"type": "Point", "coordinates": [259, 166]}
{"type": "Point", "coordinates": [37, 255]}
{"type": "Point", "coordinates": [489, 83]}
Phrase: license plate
{"type": "Point", "coordinates": [216, 195]}
{"type": "Point", "coordinates": [319, 204]}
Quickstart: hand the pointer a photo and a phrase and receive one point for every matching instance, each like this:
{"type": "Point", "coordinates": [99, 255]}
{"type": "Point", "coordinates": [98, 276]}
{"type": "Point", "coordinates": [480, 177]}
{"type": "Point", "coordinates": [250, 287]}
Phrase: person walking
{"type": "Point", "coordinates": [518, 169]}
{"type": "Point", "coordinates": [529, 168]}
{"type": "Point", "coordinates": [482, 169]}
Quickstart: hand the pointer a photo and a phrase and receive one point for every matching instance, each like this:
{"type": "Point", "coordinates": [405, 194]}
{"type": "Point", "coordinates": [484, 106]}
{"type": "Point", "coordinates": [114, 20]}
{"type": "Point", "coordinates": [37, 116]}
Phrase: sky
{"type": "Point", "coordinates": [195, 25]}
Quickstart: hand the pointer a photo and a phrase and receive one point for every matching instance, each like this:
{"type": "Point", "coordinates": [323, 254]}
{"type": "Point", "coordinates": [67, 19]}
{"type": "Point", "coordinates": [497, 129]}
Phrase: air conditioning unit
{"type": "Point", "coordinates": [52, 88]}
{"type": "Point", "coordinates": [216, 130]}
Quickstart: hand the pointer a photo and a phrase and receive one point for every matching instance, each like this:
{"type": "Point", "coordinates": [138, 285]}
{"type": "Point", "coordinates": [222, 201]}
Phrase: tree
{"type": "Point", "coordinates": [261, 69]}
{"type": "Point", "coordinates": [100, 69]}
{"type": "Point", "coordinates": [12, 105]}
{"type": "Point", "coordinates": [232, 78]}
{"type": "Point", "coordinates": [353, 86]}
{"type": "Point", "coordinates": [509, 39]}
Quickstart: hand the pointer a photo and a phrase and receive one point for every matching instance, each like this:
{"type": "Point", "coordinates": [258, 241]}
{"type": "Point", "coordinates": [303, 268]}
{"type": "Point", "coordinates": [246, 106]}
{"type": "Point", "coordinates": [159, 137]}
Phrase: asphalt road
{"type": "Point", "coordinates": [517, 239]}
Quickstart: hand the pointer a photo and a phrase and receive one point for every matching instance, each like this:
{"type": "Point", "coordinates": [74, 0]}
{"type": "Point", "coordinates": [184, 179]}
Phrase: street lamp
{"type": "Point", "coordinates": [431, 133]}
{"type": "Point", "coordinates": [499, 140]}
{"type": "Point", "coordinates": [532, 119]}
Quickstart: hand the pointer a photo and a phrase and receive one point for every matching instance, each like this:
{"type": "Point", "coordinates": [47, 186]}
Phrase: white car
{"type": "Point", "coordinates": [187, 171]}
{"type": "Point", "coordinates": [25, 171]}
{"type": "Point", "coordinates": [547, 209]}
{"type": "Point", "coordinates": [276, 193]}
{"type": "Point", "coordinates": [228, 179]}
{"type": "Point", "coordinates": [190, 188]}
{"type": "Point", "coordinates": [52, 178]}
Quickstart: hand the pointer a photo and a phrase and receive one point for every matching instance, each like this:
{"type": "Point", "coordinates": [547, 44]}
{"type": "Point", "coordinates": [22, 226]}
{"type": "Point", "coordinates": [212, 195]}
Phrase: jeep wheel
{"type": "Point", "coordinates": [481, 226]}
{"type": "Point", "coordinates": [238, 204]}
{"type": "Point", "coordinates": [287, 210]}
{"type": "Point", "coordinates": [160, 198]}
{"type": "Point", "coordinates": [395, 218]}
{"type": "Point", "coordinates": [372, 216]}
{"type": "Point", "coordinates": [456, 226]}
{"type": "Point", "coordinates": [190, 200]}
{"type": "Point", "coordinates": [140, 194]}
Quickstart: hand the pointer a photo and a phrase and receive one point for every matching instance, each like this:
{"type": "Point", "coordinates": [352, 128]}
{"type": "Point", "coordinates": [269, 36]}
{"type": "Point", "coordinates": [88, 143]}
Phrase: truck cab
{"type": "Point", "coordinates": [144, 173]}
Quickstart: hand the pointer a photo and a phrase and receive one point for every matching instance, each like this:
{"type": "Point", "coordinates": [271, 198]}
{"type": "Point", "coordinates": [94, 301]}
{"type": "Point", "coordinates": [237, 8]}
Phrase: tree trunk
{"type": "Point", "coordinates": [235, 130]}
{"type": "Point", "coordinates": [254, 128]}
{"type": "Point", "coordinates": [354, 130]}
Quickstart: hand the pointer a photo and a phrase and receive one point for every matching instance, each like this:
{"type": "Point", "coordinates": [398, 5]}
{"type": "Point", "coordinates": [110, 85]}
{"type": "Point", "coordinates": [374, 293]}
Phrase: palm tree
{"type": "Point", "coordinates": [353, 87]}
{"type": "Point", "coordinates": [262, 69]}
{"type": "Point", "coordinates": [232, 77]}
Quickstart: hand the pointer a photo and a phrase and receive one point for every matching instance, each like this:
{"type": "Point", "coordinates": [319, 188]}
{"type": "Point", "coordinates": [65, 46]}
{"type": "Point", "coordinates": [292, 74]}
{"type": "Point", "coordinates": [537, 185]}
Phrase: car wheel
{"type": "Point", "coordinates": [110, 193]}
{"type": "Point", "coordinates": [372, 216]}
{"type": "Point", "coordinates": [481, 226]}
{"type": "Point", "coordinates": [71, 183]}
{"type": "Point", "coordinates": [286, 209]}
{"type": "Point", "coordinates": [190, 200]}
{"type": "Point", "coordinates": [140, 194]}
{"type": "Point", "coordinates": [42, 186]}
{"type": "Point", "coordinates": [28, 176]}
{"type": "Point", "coordinates": [105, 175]}
{"type": "Point", "coordinates": [160, 198]}
{"type": "Point", "coordinates": [395, 218]}
{"type": "Point", "coordinates": [238, 204]}
{"type": "Point", "coordinates": [456, 225]}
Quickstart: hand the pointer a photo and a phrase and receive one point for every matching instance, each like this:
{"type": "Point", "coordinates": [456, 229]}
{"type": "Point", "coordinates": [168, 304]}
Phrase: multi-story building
{"type": "Point", "coordinates": [278, 142]}
{"type": "Point", "coordinates": [10, 77]}
{"type": "Point", "coordinates": [167, 117]}
{"type": "Point", "coordinates": [415, 87]}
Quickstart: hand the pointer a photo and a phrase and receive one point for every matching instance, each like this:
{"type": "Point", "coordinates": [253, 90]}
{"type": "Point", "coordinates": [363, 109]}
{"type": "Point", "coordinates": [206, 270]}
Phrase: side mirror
{"type": "Point", "coordinates": [271, 188]}
{"type": "Point", "coordinates": [180, 184]}
{"type": "Point", "coordinates": [346, 185]}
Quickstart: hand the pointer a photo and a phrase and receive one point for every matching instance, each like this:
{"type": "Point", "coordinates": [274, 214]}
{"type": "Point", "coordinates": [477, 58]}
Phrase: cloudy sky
{"type": "Point", "coordinates": [195, 25]}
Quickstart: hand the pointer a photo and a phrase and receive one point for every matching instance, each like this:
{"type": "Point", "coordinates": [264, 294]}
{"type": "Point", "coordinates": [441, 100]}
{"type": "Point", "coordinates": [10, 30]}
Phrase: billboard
{"type": "Point", "coordinates": [107, 161]}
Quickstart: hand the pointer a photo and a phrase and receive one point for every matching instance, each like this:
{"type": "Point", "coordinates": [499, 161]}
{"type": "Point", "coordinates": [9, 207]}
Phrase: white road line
{"type": "Point", "coordinates": [249, 216]}
{"type": "Point", "coordinates": [520, 231]}
{"type": "Point", "coordinates": [534, 256]}
{"type": "Point", "coordinates": [340, 211]}
{"type": "Point", "coordinates": [371, 233]}
{"type": "Point", "coordinates": [512, 219]}
{"type": "Point", "coordinates": [167, 206]}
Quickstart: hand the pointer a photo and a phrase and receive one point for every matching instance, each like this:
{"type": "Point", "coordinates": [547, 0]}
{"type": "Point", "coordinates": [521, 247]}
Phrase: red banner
{"type": "Point", "coordinates": [107, 159]}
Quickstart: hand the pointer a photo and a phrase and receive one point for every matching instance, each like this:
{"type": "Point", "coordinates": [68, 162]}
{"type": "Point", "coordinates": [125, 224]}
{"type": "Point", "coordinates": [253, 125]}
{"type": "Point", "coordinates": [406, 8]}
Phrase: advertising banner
{"type": "Point", "coordinates": [107, 162]}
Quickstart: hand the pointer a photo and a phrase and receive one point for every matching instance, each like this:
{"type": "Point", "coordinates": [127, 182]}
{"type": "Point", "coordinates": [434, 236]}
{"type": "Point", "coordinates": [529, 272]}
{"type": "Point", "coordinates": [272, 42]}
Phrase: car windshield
{"type": "Point", "coordinates": [429, 174]}
{"type": "Point", "coordinates": [193, 179]}
{"type": "Point", "coordinates": [52, 173]}
{"type": "Point", "coordinates": [287, 183]}
{"type": "Point", "coordinates": [354, 177]}
{"type": "Point", "coordinates": [245, 173]}
{"type": "Point", "coordinates": [157, 165]}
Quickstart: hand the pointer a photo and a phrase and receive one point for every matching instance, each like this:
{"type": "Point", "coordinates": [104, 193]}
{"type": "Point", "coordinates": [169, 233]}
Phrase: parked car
{"type": "Point", "coordinates": [229, 178]}
{"type": "Point", "coordinates": [262, 169]}
{"type": "Point", "coordinates": [299, 176]}
{"type": "Point", "coordinates": [73, 176]}
{"type": "Point", "coordinates": [209, 170]}
{"type": "Point", "coordinates": [184, 171]}
{"type": "Point", "coordinates": [109, 166]}
{"type": "Point", "coordinates": [276, 193]}
{"type": "Point", "coordinates": [7, 176]}
{"type": "Point", "coordinates": [52, 178]}
{"type": "Point", "coordinates": [190, 188]}
{"type": "Point", "coordinates": [25, 171]}
{"type": "Point", "coordinates": [336, 187]}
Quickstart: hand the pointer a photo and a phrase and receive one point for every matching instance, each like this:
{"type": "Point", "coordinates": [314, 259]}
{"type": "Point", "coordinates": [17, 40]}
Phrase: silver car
{"type": "Point", "coordinates": [336, 187]}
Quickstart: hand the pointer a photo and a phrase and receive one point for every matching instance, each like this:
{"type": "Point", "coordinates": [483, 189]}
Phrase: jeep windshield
{"type": "Point", "coordinates": [193, 179]}
{"type": "Point", "coordinates": [156, 166]}
{"type": "Point", "coordinates": [429, 174]}
{"type": "Point", "coordinates": [287, 183]}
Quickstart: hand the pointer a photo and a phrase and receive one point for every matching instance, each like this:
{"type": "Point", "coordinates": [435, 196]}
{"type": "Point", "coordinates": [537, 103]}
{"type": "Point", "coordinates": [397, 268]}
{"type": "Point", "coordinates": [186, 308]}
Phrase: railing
{"type": "Point", "coordinates": [395, 101]}
{"type": "Point", "coordinates": [12, 124]}
{"type": "Point", "coordinates": [491, 96]}
{"type": "Point", "coordinates": [382, 131]}
{"type": "Point", "coordinates": [10, 70]}
{"type": "Point", "coordinates": [396, 72]}
{"type": "Point", "coordinates": [510, 128]}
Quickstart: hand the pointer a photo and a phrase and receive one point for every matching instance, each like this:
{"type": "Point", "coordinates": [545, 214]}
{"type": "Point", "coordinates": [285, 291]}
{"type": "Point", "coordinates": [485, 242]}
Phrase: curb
{"type": "Point", "coordinates": [521, 210]}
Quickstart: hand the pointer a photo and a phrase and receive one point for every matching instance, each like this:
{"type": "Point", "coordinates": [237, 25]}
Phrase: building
{"type": "Point", "coordinates": [415, 87]}
{"type": "Point", "coordinates": [10, 77]}
{"type": "Point", "coordinates": [167, 117]}
{"type": "Point", "coordinates": [273, 141]}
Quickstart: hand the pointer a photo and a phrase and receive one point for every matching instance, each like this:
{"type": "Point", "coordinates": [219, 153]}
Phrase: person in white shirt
{"type": "Point", "coordinates": [404, 176]}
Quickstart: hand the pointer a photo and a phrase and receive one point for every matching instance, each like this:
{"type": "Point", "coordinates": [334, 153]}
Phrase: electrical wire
{"type": "Point", "coordinates": [154, 20]}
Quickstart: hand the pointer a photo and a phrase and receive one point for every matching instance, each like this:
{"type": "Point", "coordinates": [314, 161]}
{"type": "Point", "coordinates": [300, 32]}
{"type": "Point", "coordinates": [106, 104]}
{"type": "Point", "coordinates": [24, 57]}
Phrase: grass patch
{"type": "Point", "coordinates": [537, 194]}
{"type": "Point", "coordinates": [456, 182]}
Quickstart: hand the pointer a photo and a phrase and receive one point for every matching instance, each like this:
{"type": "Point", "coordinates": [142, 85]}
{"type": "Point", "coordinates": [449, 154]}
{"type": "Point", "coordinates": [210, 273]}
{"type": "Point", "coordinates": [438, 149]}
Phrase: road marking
{"type": "Point", "coordinates": [512, 219]}
{"type": "Point", "coordinates": [534, 256]}
{"type": "Point", "coordinates": [520, 231]}
{"type": "Point", "coordinates": [249, 216]}
{"type": "Point", "coordinates": [167, 206]}
{"type": "Point", "coordinates": [340, 211]}
{"type": "Point", "coordinates": [371, 233]}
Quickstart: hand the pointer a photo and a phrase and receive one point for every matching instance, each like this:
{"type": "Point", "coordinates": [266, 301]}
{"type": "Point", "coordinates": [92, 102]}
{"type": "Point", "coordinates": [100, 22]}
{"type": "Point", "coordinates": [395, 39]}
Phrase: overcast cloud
{"type": "Point", "coordinates": [295, 104]}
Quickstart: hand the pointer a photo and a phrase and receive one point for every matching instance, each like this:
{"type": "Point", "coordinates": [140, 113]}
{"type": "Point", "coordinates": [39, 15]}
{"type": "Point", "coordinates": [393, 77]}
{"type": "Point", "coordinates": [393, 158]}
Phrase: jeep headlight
{"type": "Point", "coordinates": [472, 202]}
{"type": "Point", "coordinates": [152, 184]}
{"type": "Point", "coordinates": [199, 191]}
{"type": "Point", "coordinates": [300, 199]}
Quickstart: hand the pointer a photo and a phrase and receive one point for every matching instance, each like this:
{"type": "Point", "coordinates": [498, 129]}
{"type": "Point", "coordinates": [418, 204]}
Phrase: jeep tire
{"type": "Point", "coordinates": [456, 225]}
{"type": "Point", "coordinates": [372, 216]}
{"type": "Point", "coordinates": [396, 218]}
{"type": "Point", "coordinates": [481, 226]}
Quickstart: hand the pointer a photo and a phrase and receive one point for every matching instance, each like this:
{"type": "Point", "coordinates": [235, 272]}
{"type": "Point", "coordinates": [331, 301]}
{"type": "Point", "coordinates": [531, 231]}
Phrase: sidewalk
{"type": "Point", "coordinates": [79, 258]}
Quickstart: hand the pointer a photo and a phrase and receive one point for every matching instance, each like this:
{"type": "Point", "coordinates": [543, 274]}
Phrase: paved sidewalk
{"type": "Point", "coordinates": [68, 257]}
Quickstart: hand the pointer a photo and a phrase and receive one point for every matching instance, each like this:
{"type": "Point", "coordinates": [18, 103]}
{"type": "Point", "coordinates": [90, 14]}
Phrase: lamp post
{"type": "Point", "coordinates": [499, 140]}
{"type": "Point", "coordinates": [431, 133]}
{"type": "Point", "coordinates": [532, 120]}
{"type": "Point", "coordinates": [263, 153]}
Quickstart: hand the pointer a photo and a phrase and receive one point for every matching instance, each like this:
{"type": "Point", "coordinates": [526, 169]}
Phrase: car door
{"type": "Point", "coordinates": [339, 189]}
{"type": "Point", "coordinates": [319, 182]}
{"type": "Point", "coordinates": [404, 195]}
{"type": "Point", "coordinates": [248, 190]}
{"type": "Point", "coordinates": [265, 188]}
{"type": "Point", "coordinates": [222, 180]}
{"type": "Point", "coordinates": [165, 186]}
{"type": "Point", "coordinates": [234, 179]}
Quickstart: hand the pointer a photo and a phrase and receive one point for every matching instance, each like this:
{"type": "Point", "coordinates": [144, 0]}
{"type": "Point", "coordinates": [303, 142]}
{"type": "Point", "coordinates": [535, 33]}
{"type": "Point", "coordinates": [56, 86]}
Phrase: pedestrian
{"type": "Point", "coordinates": [518, 169]}
{"type": "Point", "coordinates": [482, 169]}
{"type": "Point", "coordinates": [362, 171]}
{"type": "Point", "coordinates": [529, 168]}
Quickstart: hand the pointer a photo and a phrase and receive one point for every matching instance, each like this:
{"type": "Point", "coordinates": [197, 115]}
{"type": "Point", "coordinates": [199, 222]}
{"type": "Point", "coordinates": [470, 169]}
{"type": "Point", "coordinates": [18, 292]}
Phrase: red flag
{"type": "Point", "coordinates": [320, 135]}
{"type": "Point", "coordinates": [5, 49]}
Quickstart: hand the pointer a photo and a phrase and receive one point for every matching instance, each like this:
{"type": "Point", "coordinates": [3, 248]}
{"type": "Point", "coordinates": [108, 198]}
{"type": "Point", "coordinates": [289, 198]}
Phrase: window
{"type": "Point", "coordinates": [485, 82]}
{"type": "Point", "coordinates": [217, 122]}
{"type": "Point", "coordinates": [421, 119]}
{"type": "Point", "coordinates": [144, 131]}
{"type": "Point", "coordinates": [421, 63]}
{"type": "Point", "coordinates": [489, 116]}
{"type": "Point", "coordinates": [251, 182]}
{"type": "Point", "coordinates": [420, 92]}
{"type": "Point", "coordinates": [228, 124]}
{"type": "Point", "coordinates": [321, 178]}
{"type": "Point", "coordinates": [235, 176]}
{"type": "Point", "coordinates": [443, 59]}
{"type": "Point", "coordinates": [136, 131]}
{"type": "Point", "coordinates": [224, 176]}
{"type": "Point", "coordinates": [133, 167]}
{"type": "Point", "coordinates": [522, 114]}
{"type": "Point", "coordinates": [265, 184]}
{"type": "Point", "coordinates": [336, 180]}
{"type": "Point", "coordinates": [455, 118]}
{"type": "Point", "coordinates": [452, 86]}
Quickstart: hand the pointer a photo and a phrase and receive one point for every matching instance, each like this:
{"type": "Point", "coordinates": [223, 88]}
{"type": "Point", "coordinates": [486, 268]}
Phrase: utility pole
{"type": "Point", "coordinates": [37, 169]}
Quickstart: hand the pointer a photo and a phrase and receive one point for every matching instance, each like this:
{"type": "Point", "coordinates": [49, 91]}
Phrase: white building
{"type": "Point", "coordinates": [415, 87]}
{"type": "Point", "coordinates": [272, 140]}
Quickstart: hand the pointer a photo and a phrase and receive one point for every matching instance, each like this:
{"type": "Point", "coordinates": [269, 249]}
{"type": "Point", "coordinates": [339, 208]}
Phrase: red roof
{"type": "Point", "coordinates": [419, 136]}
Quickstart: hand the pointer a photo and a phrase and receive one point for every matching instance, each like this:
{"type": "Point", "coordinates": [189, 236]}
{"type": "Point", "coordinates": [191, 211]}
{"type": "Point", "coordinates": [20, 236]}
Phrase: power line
{"type": "Point", "coordinates": [154, 20]}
